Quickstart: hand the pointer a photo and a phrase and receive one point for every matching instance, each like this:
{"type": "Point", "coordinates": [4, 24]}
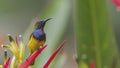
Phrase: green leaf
{"type": "Point", "coordinates": [94, 35]}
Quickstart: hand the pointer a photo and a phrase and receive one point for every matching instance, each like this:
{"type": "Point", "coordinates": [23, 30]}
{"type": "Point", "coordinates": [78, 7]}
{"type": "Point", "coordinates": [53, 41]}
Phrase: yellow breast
{"type": "Point", "coordinates": [34, 44]}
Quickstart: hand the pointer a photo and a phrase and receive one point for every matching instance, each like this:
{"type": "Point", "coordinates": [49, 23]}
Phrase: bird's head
{"type": "Point", "coordinates": [40, 24]}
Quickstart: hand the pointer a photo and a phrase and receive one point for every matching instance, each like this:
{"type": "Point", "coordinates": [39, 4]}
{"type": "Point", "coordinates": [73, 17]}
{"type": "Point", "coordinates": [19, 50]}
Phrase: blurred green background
{"type": "Point", "coordinates": [18, 17]}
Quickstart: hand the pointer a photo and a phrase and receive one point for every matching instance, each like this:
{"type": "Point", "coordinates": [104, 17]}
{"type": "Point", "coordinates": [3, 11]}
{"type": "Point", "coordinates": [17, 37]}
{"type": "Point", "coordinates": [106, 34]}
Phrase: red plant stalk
{"type": "Point", "coordinates": [6, 65]}
{"type": "Point", "coordinates": [54, 54]}
{"type": "Point", "coordinates": [31, 58]}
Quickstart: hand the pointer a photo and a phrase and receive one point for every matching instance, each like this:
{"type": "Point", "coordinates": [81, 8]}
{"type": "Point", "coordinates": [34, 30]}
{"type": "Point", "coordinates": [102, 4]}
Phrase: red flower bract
{"type": "Point", "coordinates": [7, 63]}
{"type": "Point", "coordinates": [31, 58]}
{"type": "Point", "coordinates": [53, 55]}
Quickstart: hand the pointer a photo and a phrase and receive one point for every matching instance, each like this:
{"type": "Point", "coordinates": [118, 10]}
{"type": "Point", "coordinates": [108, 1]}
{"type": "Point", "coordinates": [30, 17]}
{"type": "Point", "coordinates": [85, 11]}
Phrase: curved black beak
{"type": "Point", "coordinates": [46, 21]}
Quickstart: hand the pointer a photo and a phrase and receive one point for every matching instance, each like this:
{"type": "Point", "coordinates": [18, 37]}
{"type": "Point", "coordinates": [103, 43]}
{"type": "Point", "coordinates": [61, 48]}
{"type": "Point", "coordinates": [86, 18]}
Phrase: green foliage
{"type": "Point", "coordinates": [94, 36]}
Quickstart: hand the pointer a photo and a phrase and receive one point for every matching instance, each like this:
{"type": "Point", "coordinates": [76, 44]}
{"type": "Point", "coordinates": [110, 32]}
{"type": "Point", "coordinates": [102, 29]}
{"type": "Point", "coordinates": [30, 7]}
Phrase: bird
{"type": "Point", "coordinates": [37, 37]}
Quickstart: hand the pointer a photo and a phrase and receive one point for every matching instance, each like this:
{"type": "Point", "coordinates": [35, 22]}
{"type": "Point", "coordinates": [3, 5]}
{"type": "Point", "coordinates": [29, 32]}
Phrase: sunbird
{"type": "Point", "coordinates": [38, 36]}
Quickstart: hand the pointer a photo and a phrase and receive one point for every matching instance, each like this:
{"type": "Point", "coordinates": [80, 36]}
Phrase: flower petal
{"type": "Point", "coordinates": [13, 62]}
{"type": "Point", "coordinates": [21, 50]}
{"type": "Point", "coordinates": [14, 46]}
{"type": "Point", "coordinates": [7, 63]}
{"type": "Point", "coordinates": [31, 58]}
{"type": "Point", "coordinates": [5, 56]}
{"type": "Point", "coordinates": [54, 54]}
